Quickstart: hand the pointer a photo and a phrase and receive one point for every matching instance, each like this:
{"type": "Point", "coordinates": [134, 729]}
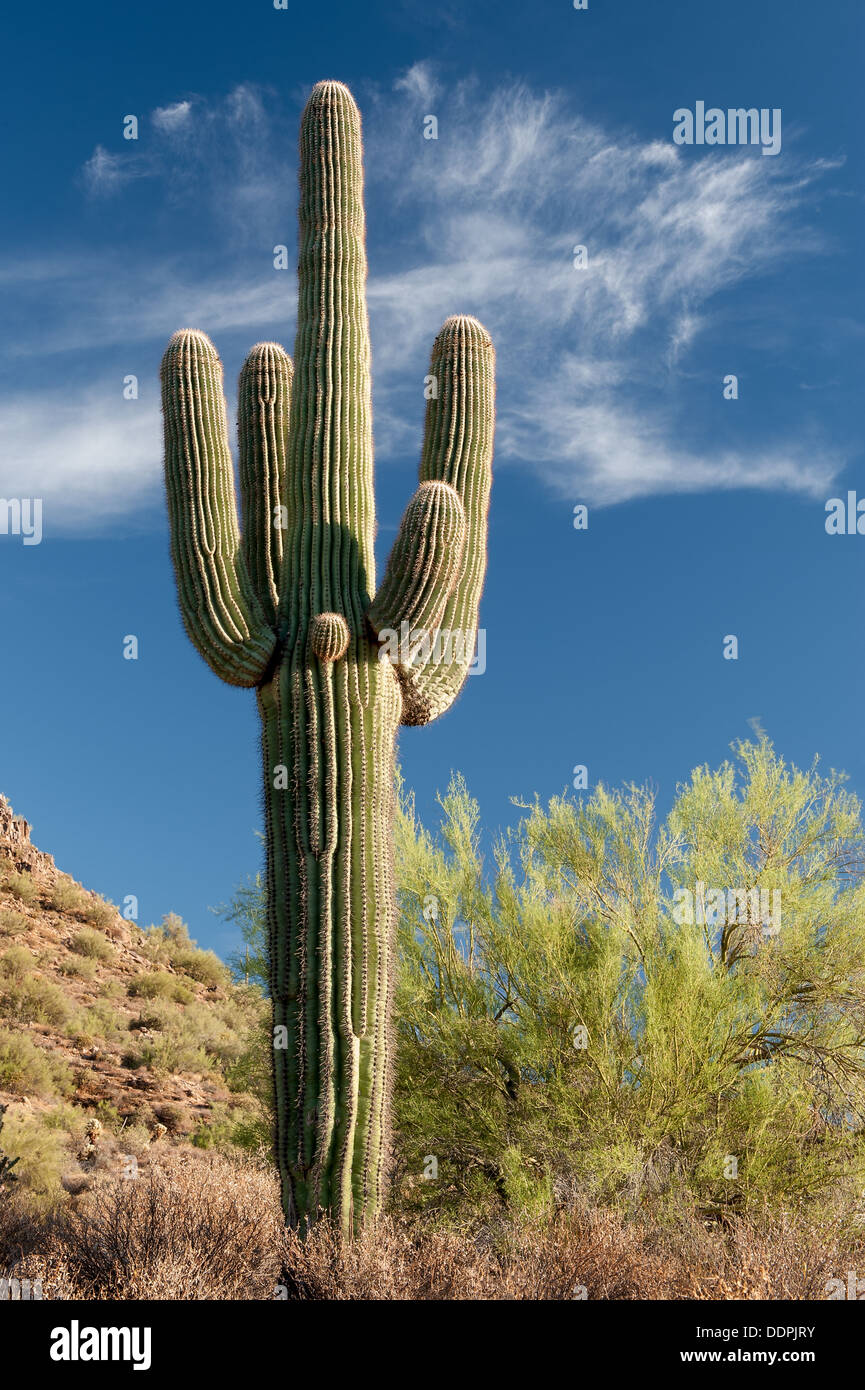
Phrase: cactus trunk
{"type": "Point", "coordinates": [287, 609]}
{"type": "Point", "coordinates": [331, 727]}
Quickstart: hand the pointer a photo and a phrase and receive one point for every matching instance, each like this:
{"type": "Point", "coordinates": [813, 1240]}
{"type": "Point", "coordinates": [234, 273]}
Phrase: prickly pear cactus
{"type": "Point", "coordinates": [287, 608]}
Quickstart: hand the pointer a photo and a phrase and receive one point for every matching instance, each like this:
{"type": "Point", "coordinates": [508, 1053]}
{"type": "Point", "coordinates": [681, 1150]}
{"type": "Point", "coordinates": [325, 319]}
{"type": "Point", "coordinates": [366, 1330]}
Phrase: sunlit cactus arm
{"type": "Point", "coordinates": [424, 564]}
{"type": "Point", "coordinates": [457, 450]}
{"type": "Point", "coordinates": [220, 611]}
{"type": "Point", "coordinates": [263, 406]}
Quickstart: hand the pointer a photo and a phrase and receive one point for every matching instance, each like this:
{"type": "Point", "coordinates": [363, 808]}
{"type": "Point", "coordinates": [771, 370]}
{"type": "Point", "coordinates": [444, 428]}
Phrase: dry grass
{"type": "Point", "coordinates": [188, 1231]}
{"type": "Point", "coordinates": [201, 1227]}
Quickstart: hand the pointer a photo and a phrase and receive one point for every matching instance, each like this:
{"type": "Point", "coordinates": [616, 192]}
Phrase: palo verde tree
{"type": "Point", "coordinates": [290, 609]}
{"type": "Point", "coordinates": [638, 1011]}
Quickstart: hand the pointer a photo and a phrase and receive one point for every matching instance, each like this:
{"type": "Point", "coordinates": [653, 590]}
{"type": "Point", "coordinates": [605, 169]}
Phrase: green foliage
{"type": "Point", "coordinates": [247, 909]}
{"type": "Point", "coordinates": [40, 1155]}
{"type": "Point", "coordinates": [22, 887]}
{"type": "Point", "coordinates": [101, 913]}
{"type": "Point", "coordinates": [723, 1059]}
{"type": "Point", "coordinates": [16, 963]}
{"type": "Point", "coordinates": [79, 967]}
{"type": "Point", "coordinates": [66, 896]}
{"type": "Point", "coordinates": [35, 1000]}
{"type": "Point", "coordinates": [160, 985]}
{"type": "Point", "coordinates": [13, 923]}
{"type": "Point", "coordinates": [92, 944]}
{"type": "Point", "coordinates": [28, 1070]}
{"type": "Point", "coordinates": [203, 966]}
{"type": "Point", "coordinates": [7, 1175]}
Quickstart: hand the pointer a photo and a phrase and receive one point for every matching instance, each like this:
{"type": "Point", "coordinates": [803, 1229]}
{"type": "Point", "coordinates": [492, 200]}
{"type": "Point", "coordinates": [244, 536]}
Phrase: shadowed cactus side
{"type": "Point", "coordinates": [287, 608]}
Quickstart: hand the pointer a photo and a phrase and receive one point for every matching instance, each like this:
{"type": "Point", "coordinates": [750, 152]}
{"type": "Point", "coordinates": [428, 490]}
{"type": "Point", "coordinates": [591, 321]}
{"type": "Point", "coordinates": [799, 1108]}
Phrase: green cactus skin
{"type": "Point", "coordinates": [286, 609]}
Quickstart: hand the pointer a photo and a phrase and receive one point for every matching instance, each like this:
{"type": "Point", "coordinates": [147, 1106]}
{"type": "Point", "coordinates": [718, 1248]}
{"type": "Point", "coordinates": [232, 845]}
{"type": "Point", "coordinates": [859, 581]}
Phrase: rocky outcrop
{"type": "Point", "coordinates": [15, 846]}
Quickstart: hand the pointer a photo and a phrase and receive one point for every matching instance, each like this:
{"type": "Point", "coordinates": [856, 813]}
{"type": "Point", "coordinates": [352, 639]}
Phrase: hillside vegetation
{"type": "Point", "coordinates": [631, 1064]}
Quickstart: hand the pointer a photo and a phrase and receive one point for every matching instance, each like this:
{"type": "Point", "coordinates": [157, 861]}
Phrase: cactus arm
{"type": "Point", "coordinates": [457, 450]}
{"type": "Point", "coordinates": [424, 564]}
{"type": "Point", "coordinates": [218, 605]}
{"type": "Point", "coordinates": [264, 401]}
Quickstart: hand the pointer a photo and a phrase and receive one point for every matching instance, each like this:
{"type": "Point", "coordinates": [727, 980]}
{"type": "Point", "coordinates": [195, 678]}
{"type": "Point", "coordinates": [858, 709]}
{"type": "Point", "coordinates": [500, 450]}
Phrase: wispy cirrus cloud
{"type": "Point", "coordinates": [90, 455]}
{"type": "Point", "coordinates": [483, 220]}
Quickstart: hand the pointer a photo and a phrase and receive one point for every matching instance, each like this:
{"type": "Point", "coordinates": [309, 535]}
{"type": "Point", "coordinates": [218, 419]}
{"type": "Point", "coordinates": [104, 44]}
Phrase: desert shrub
{"type": "Point", "coordinates": [66, 1118]}
{"type": "Point", "coordinates": [101, 914]}
{"type": "Point", "coordinates": [41, 1156]}
{"type": "Point", "coordinates": [13, 923]}
{"type": "Point", "coordinates": [162, 943]}
{"type": "Point", "coordinates": [104, 1021]}
{"type": "Point", "coordinates": [87, 1025]}
{"type": "Point", "coordinates": [28, 1069]}
{"type": "Point", "coordinates": [177, 1049]}
{"type": "Point", "coordinates": [66, 896]}
{"type": "Point", "coordinates": [79, 967]}
{"type": "Point", "coordinates": [154, 1016]}
{"type": "Point", "coordinates": [135, 1058]}
{"type": "Point", "coordinates": [93, 944]}
{"type": "Point", "coordinates": [203, 966]}
{"type": "Point", "coordinates": [22, 887]}
{"type": "Point", "coordinates": [35, 1000]}
{"type": "Point", "coordinates": [207, 1230]}
{"type": "Point", "coordinates": [111, 989]}
{"type": "Point", "coordinates": [204, 1024]}
{"type": "Point", "coordinates": [228, 1127]}
{"type": "Point", "coordinates": [173, 1116]}
{"type": "Point", "coordinates": [16, 963]}
{"type": "Point", "coordinates": [160, 985]}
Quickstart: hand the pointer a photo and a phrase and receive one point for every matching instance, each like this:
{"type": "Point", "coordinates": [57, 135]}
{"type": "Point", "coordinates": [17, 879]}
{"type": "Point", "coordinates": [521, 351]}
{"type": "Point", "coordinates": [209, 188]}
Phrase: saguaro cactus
{"type": "Point", "coordinates": [287, 608]}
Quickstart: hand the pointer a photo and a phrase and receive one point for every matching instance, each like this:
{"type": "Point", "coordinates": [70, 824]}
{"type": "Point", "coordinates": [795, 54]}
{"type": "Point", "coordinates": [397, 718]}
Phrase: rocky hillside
{"type": "Point", "coordinates": [116, 1042]}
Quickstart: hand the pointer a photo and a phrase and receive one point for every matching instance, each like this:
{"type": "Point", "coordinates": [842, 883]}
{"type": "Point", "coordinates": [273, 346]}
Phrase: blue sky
{"type": "Point", "coordinates": [706, 516]}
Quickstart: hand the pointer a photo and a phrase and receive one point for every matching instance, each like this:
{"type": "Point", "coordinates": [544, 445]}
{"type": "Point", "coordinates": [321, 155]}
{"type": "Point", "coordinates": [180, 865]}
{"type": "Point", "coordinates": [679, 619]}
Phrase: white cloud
{"type": "Point", "coordinates": [418, 83]}
{"type": "Point", "coordinates": [483, 220]}
{"type": "Point", "coordinates": [169, 119]}
{"type": "Point", "coordinates": [92, 457]}
{"type": "Point", "coordinates": [593, 445]}
{"type": "Point", "coordinates": [105, 172]}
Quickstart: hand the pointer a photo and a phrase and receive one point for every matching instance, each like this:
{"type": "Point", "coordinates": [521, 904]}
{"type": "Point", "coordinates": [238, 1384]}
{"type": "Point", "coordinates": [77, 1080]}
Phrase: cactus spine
{"type": "Point", "coordinates": [287, 609]}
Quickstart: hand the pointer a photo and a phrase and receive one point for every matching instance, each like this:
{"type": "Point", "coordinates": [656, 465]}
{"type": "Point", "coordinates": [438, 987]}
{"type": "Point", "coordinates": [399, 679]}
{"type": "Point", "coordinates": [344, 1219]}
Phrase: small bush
{"type": "Point", "coordinates": [102, 914]}
{"type": "Point", "coordinates": [158, 984]}
{"type": "Point", "coordinates": [158, 1014]}
{"type": "Point", "coordinates": [203, 966]}
{"type": "Point", "coordinates": [104, 1021]}
{"type": "Point", "coordinates": [41, 1154]}
{"type": "Point", "coordinates": [22, 887]}
{"type": "Point", "coordinates": [135, 1060]}
{"type": "Point", "coordinates": [174, 1117]}
{"type": "Point", "coordinates": [27, 1070]}
{"type": "Point", "coordinates": [171, 1052]}
{"type": "Point", "coordinates": [16, 963]}
{"type": "Point", "coordinates": [66, 896]}
{"type": "Point", "coordinates": [35, 1000]}
{"type": "Point", "coordinates": [79, 966]}
{"type": "Point", "coordinates": [93, 944]}
{"type": "Point", "coordinates": [189, 1233]}
{"type": "Point", "coordinates": [13, 923]}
